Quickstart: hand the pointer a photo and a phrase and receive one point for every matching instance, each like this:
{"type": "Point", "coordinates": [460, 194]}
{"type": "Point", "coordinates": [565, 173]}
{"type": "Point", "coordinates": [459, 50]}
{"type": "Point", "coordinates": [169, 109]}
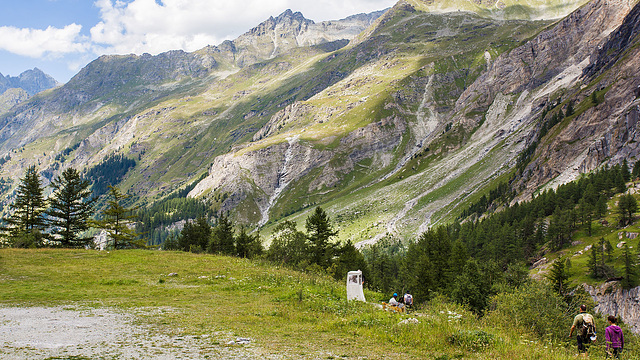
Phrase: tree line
{"type": "Point", "coordinates": [311, 250]}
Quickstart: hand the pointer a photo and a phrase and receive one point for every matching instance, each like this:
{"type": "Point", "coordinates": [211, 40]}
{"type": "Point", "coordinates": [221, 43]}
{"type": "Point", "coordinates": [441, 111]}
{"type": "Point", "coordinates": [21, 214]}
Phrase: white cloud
{"type": "Point", "coordinates": [37, 43]}
{"type": "Point", "coordinates": [155, 26]}
{"type": "Point", "coordinates": [146, 26]}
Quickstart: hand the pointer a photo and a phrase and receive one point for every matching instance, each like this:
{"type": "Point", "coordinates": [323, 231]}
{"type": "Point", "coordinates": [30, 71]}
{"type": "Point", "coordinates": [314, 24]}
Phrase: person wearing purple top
{"type": "Point", "coordinates": [614, 338]}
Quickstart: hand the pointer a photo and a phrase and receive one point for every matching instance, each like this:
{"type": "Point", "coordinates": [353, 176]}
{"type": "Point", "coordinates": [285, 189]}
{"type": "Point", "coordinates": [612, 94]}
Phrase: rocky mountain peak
{"type": "Point", "coordinates": [288, 16]}
{"type": "Point", "coordinates": [32, 81]}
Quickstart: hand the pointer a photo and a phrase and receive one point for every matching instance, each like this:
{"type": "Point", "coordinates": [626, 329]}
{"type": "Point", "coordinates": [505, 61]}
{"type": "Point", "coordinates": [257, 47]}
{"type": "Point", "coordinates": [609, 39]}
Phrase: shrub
{"type": "Point", "coordinates": [534, 307]}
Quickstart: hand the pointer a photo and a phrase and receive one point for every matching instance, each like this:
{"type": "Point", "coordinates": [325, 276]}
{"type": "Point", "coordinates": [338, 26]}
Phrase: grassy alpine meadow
{"type": "Point", "coordinates": [291, 314]}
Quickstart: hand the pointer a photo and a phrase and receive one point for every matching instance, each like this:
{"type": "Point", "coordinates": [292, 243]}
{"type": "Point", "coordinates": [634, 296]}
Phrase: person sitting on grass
{"type": "Point", "coordinates": [394, 300]}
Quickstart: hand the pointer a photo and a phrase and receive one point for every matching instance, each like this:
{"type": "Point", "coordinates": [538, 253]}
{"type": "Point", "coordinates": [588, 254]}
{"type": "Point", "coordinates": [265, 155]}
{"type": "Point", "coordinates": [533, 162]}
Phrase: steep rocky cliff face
{"type": "Point", "coordinates": [601, 132]}
{"type": "Point", "coordinates": [612, 300]}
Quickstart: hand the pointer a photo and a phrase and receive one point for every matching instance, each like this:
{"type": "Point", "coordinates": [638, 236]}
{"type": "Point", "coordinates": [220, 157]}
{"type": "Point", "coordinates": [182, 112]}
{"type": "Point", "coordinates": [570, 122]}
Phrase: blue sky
{"type": "Point", "coordinates": [62, 36]}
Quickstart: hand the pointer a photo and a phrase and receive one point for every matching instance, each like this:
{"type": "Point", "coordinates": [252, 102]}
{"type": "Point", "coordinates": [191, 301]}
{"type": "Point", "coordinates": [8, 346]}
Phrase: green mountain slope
{"type": "Point", "coordinates": [392, 132]}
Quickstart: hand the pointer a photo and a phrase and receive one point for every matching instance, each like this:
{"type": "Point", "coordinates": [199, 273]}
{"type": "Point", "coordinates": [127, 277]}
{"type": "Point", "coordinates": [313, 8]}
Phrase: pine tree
{"type": "Point", "coordinates": [248, 245]}
{"type": "Point", "coordinates": [636, 170]}
{"type": "Point", "coordinates": [27, 220]}
{"type": "Point", "coordinates": [586, 213]}
{"type": "Point", "coordinates": [222, 239]}
{"type": "Point", "coordinates": [629, 278]}
{"type": "Point", "coordinates": [195, 235]}
{"type": "Point", "coordinates": [608, 249]}
{"type": "Point", "coordinates": [118, 220]}
{"type": "Point", "coordinates": [627, 206]}
{"type": "Point", "coordinates": [624, 171]}
{"type": "Point", "coordinates": [620, 185]}
{"type": "Point", "coordinates": [570, 110]}
{"type": "Point", "coordinates": [601, 207]}
{"type": "Point", "coordinates": [70, 208]}
{"type": "Point", "coordinates": [558, 277]}
{"type": "Point", "coordinates": [319, 234]}
{"type": "Point", "coordinates": [593, 263]}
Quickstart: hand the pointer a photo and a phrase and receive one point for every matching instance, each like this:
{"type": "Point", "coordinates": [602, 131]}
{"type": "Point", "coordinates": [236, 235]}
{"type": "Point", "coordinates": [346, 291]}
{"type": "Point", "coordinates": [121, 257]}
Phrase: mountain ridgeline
{"type": "Point", "coordinates": [393, 121]}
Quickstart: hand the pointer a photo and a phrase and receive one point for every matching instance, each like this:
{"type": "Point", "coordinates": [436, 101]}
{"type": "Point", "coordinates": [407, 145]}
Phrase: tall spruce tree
{"type": "Point", "coordinates": [118, 220]}
{"type": "Point", "coordinates": [70, 207]}
{"type": "Point", "coordinates": [558, 277]}
{"type": "Point", "coordinates": [636, 170]}
{"type": "Point", "coordinates": [319, 234]}
{"type": "Point", "coordinates": [627, 206]}
{"type": "Point", "coordinates": [26, 224]}
{"type": "Point", "coordinates": [195, 235]}
{"type": "Point", "coordinates": [630, 274]}
{"type": "Point", "coordinates": [248, 245]}
{"type": "Point", "coordinates": [624, 170]}
{"type": "Point", "coordinates": [222, 239]}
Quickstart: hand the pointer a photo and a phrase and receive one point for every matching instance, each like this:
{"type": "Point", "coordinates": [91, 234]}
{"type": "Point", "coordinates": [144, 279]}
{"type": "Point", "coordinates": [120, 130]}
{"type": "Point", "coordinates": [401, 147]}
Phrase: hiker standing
{"type": "Point", "coordinates": [614, 338]}
{"type": "Point", "coordinates": [585, 327]}
{"type": "Point", "coordinates": [408, 300]}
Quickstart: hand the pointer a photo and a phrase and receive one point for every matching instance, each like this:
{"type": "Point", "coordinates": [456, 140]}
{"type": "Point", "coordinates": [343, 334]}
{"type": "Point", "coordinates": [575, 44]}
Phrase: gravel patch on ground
{"type": "Point", "coordinates": [90, 333]}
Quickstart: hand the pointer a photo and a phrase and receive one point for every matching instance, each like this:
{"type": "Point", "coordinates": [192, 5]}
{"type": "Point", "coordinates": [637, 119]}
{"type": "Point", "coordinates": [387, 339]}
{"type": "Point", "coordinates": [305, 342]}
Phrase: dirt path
{"type": "Point", "coordinates": [88, 333]}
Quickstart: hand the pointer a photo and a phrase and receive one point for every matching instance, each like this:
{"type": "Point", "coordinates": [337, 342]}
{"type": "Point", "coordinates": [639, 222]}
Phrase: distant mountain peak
{"type": "Point", "coordinates": [32, 81]}
{"type": "Point", "coordinates": [288, 14]}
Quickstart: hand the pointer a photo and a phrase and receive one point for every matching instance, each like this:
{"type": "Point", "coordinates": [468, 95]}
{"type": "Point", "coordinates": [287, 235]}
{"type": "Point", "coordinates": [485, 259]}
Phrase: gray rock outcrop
{"type": "Point", "coordinates": [611, 299]}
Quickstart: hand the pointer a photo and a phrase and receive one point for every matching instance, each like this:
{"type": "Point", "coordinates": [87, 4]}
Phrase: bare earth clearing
{"type": "Point", "coordinates": [78, 333]}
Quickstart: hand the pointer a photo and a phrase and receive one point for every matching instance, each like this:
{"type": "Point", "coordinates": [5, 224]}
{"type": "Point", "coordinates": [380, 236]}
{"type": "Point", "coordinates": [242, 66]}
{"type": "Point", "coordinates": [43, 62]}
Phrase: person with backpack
{"type": "Point", "coordinates": [614, 338]}
{"type": "Point", "coordinates": [586, 329]}
{"type": "Point", "coordinates": [408, 300]}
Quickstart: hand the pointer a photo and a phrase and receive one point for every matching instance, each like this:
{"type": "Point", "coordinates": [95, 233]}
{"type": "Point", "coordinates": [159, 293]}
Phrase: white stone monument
{"type": "Point", "coordinates": [354, 286]}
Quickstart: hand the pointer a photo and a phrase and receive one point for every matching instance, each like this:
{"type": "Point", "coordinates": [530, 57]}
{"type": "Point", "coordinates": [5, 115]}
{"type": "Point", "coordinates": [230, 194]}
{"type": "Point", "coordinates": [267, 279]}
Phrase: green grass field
{"type": "Point", "coordinates": [291, 314]}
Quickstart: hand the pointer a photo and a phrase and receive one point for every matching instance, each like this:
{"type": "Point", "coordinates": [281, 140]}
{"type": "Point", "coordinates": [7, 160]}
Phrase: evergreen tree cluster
{"type": "Point", "coordinates": [153, 221]}
{"type": "Point", "coordinates": [61, 157]}
{"type": "Point", "coordinates": [314, 249]}
{"type": "Point", "coordinates": [109, 172]}
{"type": "Point", "coordinates": [64, 217]}
{"type": "Point", "coordinates": [60, 219]}
{"type": "Point", "coordinates": [199, 236]}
